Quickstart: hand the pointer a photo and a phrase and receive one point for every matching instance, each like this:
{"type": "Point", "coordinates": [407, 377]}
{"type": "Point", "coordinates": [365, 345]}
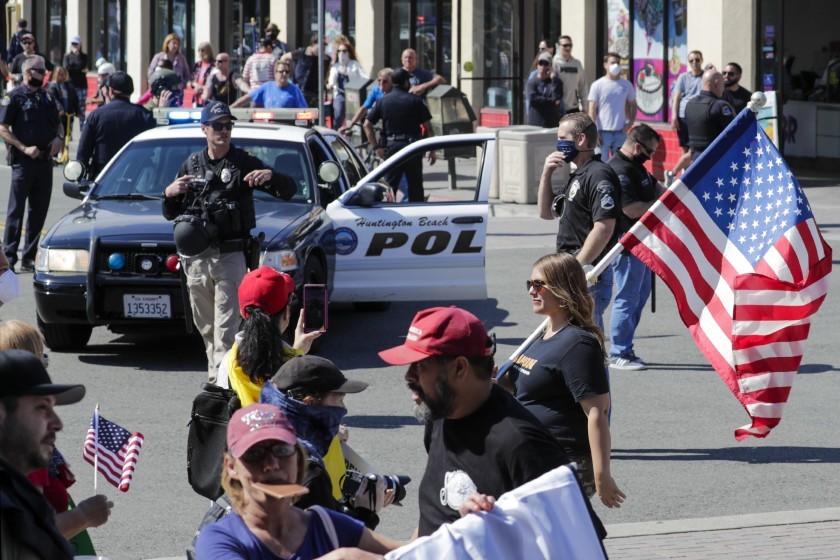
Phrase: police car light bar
{"type": "Point", "coordinates": [179, 115]}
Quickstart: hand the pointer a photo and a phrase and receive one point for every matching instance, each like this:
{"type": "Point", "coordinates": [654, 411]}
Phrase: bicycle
{"type": "Point", "coordinates": [372, 161]}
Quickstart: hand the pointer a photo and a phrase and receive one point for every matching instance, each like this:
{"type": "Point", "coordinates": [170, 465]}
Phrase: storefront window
{"type": "Point", "coordinates": [339, 19]}
{"type": "Point", "coordinates": [107, 22]}
{"type": "Point", "coordinates": [57, 33]}
{"type": "Point", "coordinates": [501, 63]}
{"type": "Point", "coordinates": [178, 17]}
{"type": "Point", "coordinates": [426, 27]}
{"type": "Point", "coordinates": [650, 37]}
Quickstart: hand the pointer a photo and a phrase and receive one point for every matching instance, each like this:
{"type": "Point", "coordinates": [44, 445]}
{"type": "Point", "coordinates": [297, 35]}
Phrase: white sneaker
{"type": "Point", "coordinates": [629, 363]}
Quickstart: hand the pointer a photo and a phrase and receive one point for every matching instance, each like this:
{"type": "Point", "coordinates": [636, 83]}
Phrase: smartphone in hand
{"type": "Point", "coordinates": [315, 306]}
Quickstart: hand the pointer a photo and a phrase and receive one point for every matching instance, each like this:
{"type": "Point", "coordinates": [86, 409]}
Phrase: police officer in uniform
{"type": "Point", "coordinates": [33, 132]}
{"type": "Point", "coordinates": [111, 126]}
{"type": "Point", "coordinates": [633, 279]}
{"type": "Point", "coordinates": [402, 115]}
{"type": "Point", "coordinates": [707, 114]}
{"type": "Point", "coordinates": [219, 178]}
{"type": "Point", "coordinates": [589, 205]}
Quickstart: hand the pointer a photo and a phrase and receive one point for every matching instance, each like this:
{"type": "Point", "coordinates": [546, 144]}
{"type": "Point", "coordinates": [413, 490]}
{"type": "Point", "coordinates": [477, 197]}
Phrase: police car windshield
{"type": "Point", "coordinates": [147, 168]}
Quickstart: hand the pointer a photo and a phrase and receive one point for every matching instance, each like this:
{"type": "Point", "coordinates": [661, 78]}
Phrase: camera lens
{"type": "Point", "coordinates": [397, 483]}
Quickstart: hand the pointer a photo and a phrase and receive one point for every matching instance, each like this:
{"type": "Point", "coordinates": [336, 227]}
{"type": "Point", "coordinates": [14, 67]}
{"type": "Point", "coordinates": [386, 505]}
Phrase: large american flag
{"type": "Point", "coordinates": [736, 242]}
{"type": "Point", "coordinates": [116, 448]}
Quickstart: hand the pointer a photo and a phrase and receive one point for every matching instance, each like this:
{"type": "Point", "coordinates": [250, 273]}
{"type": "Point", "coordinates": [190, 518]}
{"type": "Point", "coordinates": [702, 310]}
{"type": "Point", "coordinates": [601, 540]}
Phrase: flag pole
{"type": "Point", "coordinates": [95, 446]}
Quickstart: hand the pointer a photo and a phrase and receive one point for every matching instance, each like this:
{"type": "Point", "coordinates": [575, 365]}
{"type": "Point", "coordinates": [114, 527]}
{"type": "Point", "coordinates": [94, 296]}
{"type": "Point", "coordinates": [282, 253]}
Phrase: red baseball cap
{"type": "Point", "coordinates": [267, 289]}
{"type": "Point", "coordinates": [440, 331]}
{"type": "Point", "coordinates": [255, 423]}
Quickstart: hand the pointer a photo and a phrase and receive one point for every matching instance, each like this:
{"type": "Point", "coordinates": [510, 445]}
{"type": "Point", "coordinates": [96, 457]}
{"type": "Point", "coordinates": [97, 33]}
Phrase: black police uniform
{"type": "Point", "coordinates": [34, 120]}
{"type": "Point", "coordinates": [226, 186]}
{"type": "Point", "coordinates": [637, 185]}
{"type": "Point", "coordinates": [402, 113]}
{"type": "Point", "coordinates": [707, 116]}
{"type": "Point", "coordinates": [591, 195]}
{"type": "Point", "coordinates": [108, 129]}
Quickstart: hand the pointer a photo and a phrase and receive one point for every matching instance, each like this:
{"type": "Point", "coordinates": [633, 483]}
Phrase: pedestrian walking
{"type": "Point", "coordinates": [733, 93]}
{"type": "Point", "coordinates": [76, 63]}
{"type": "Point", "coordinates": [221, 85]}
{"type": "Point", "coordinates": [279, 93]}
{"type": "Point", "coordinates": [570, 71]}
{"type": "Point", "coordinates": [171, 50]}
{"type": "Point", "coordinates": [687, 85]}
{"type": "Point", "coordinates": [707, 114]}
{"type": "Point", "coordinates": [278, 47]}
{"type": "Point", "coordinates": [306, 71]}
{"type": "Point", "coordinates": [545, 95]}
{"type": "Point", "coordinates": [64, 93]}
{"type": "Point", "coordinates": [345, 68]}
{"type": "Point", "coordinates": [15, 43]}
{"type": "Point", "coordinates": [542, 47]}
{"type": "Point", "coordinates": [612, 105]}
{"type": "Point", "coordinates": [30, 47]}
{"type": "Point", "coordinates": [259, 67]}
{"type": "Point", "coordinates": [201, 71]}
{"type": "Point", "coordinates": [32, 129]}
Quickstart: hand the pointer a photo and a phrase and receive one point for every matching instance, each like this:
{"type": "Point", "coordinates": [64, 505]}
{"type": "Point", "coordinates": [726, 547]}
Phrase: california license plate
{"type": "Point", "coordinates": [147, 306]}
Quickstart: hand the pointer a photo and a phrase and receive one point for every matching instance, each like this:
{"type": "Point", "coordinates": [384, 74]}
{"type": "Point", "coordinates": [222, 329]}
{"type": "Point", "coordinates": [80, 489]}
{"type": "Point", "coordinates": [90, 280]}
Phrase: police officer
{"type": "Point", "coordinates": [707, 114]}
{"type": "Point", "coordinates": [31, 128]}
{"type": "Point", "coordinates": [639, 190]}
{"type": "Point", "coordinates": [589, 204]}
{"type": "Point", "coordinates": [222, 177]}
{"type": "Point", "coordinates": [111, 126]}
{"type": "Point", "coordinates": [402, 115]}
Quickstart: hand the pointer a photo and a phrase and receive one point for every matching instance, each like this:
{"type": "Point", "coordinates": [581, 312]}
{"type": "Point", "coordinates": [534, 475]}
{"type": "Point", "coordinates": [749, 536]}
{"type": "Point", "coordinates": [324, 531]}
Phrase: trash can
{"type": "Point", "coordinates": [356, 91]}
{"type": "Point", "coordinates": [521, 156]}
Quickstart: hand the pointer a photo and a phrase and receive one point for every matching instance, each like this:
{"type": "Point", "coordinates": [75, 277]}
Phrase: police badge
{"type": "Point", "coordinates": [225, 175]}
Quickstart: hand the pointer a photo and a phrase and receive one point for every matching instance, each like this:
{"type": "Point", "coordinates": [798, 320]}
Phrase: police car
{"type": "Point", "coordinates": [111, 261]}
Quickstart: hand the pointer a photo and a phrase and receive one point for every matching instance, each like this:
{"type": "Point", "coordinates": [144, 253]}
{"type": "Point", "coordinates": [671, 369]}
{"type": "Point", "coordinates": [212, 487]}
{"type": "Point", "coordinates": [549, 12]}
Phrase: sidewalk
{"type": "Point", "coordinates": [794, 535]}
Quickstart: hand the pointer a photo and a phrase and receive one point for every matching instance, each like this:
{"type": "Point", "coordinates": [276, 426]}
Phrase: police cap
{"type": "Point", "coordinates": [121, 82]}
{"type": "Point", "coordinates": [399, 77]}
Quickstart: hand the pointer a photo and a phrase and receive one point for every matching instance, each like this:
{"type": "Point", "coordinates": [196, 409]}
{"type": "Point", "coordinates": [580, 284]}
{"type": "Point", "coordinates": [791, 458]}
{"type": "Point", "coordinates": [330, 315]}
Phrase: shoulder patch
{"type": "Point", "coordinates": [727, 110]}
{"type": "Point", "coordinates": [5, 101]}
{"type": "Point", "coordinates": [605, 187]}
{"type": "Point", "coordinates": [624, 180]}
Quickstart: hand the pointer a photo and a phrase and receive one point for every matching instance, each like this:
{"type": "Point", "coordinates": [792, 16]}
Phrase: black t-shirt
{"type": "Point", "coordinates": [420, 76]}
{"type": "Point", "coordinates": [543, 96]}
{"type": "Point", "coordinates": [75, 63]}
{"type": "Point", "coordinates": [552, 377]}
{"type": "Point", "coordinates": [401, 113]}
{"type": "Point", "coordinates": [17, 63]}
{"type": "Point", "coordinates": [637, 185]}
{"type": "Point", "coordinates": [494, 450]}
{"type": "Point", "coordinates": [738, 98]}
{"type": "Point", "coordinates": [591, 195]}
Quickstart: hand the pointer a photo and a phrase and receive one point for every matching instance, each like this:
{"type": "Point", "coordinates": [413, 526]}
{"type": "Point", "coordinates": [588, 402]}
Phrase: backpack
{"type": "Point", "coordinates": [207, 438]}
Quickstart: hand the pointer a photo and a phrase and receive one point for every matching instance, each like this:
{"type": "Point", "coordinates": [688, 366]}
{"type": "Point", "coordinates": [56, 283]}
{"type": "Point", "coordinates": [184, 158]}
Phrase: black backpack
{"type": "Point", "coordinates": [207, 439]}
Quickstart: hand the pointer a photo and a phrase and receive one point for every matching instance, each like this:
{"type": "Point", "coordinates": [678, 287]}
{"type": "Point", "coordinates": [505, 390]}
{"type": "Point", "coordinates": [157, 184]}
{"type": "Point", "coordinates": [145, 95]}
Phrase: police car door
{"type": "Point", "coordinates": [387, 250]}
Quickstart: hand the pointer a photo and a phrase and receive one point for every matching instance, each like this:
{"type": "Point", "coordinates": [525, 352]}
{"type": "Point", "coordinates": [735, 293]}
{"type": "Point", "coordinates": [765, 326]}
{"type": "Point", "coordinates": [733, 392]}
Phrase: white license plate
{"type": "Point", "coordinates": [147, 306]}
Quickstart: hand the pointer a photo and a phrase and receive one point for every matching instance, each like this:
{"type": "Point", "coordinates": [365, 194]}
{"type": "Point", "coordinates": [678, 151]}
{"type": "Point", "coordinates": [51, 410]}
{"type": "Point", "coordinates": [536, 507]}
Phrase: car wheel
{"type": "Point", "coordinates": [372, 305]}
{"type": "Point", "coordinates": [63, 337]}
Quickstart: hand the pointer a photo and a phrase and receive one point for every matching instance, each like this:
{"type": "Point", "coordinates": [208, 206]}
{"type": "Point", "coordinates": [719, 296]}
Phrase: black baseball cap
{"type": "Point", "coordinates": [316, 374]}
{"type": "Point", "coordinates": [23, 374]}
{"type": "Point", "coordinates": [121, 82]}
{"type": "Point", "coordinates": [215, 110]}
{"type": "Point", "coordinates": [399, 77]}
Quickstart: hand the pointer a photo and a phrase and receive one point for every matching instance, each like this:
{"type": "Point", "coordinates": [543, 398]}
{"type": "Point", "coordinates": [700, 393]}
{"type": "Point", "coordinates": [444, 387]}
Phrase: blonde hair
{"type": "Point", "coordinates": [564, 277]}
{"type": "Point", "coordinates": [169, 38]}
{"type": "Point", "coordinates": [233, 487]}
{"type": "Point", "coordinates": [18, 335]}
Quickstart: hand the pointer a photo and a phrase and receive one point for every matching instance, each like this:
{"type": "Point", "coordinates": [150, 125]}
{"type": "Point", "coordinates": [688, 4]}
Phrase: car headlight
{"type": "Point", "coordinates": [62, 260]}
{"type": "Point", "coordinates": [283, 260]}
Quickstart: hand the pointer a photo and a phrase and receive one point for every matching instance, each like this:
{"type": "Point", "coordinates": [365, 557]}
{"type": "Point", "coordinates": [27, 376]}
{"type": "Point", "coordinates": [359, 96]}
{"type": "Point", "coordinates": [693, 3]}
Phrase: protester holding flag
{"type": "Point", "coordinates": [54, 479]}
{"type": "Point", "coordinates": [561, 378]}
{"type": "Point", "coordinates": [264, 461]}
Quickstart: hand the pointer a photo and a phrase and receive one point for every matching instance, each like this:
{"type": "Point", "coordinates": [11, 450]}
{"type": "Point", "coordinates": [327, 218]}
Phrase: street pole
{"type": "Point", "coordinates": [319, 68]}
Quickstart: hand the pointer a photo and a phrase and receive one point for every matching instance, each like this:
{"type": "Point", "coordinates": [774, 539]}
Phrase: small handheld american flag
{"type": "Point", "coordinates": [113, 450]}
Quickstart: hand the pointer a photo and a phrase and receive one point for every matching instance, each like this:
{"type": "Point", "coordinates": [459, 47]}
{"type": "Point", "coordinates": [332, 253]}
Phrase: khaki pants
{"type": "Point", "coordinates": [213, 279]}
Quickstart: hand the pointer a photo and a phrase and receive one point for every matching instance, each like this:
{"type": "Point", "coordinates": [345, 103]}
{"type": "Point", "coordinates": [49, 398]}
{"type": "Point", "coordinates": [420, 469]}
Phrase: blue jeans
{"type": "Point", "coordinates": [632, 289]}
{"type": "Point", "coordinates": [611, 141]}
{"type": "Point", "coordinates": [81, 95]}
{"type": "Point", "coordinates": [602, 293]}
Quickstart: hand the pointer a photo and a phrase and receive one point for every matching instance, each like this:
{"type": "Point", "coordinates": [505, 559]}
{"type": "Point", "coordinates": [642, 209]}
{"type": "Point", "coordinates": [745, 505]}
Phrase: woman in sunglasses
{"type": "Point", "coordinates": [345, 68]}
{"type": "Point", "coordinates": [561, 378]}
{"type": "Point", "coordinates": [263, 467]}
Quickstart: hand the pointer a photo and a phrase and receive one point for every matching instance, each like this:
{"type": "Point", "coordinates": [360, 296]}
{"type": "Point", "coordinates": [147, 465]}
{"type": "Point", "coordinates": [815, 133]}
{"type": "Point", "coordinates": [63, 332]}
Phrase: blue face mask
{"type": "Point", "coordinates": [568, 149]}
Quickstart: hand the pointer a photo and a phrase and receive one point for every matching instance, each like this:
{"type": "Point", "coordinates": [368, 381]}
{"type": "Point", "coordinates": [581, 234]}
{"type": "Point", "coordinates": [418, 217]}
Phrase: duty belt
{"type": "Point", "coordinates": [401, 138]}
{"type": "Point", "coordinates": [231, 245]}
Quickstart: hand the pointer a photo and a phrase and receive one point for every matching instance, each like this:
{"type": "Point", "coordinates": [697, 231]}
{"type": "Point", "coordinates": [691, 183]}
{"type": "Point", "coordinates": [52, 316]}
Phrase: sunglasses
{"type": "Point", "coordinates": [544, 63]}
{"type": "Point", "coordinates": [220, 60]}
{"type": "Point", "coordinates": [282, 72]}
{"type": "Point", "coordinates": [566, 45]}
{"type": "Point", "coordinates": [26, 42]}
{"type": "Point", "coordinates": [258, 454]}
{"type": "Point", "coordinates": [538, 285]}
{"type": "Point", "coordinates": [218, 126]}
{"type": "Point", "coordinates": [730, 73]}
{"type": "Point", "coordinates": [647, 149]}
{"type": "Point", "coordinates": [383, 81]}
{"type": "Point", "coordinates": [692, 60]}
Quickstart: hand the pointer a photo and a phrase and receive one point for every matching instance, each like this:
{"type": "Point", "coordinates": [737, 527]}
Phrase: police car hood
{"type": "Point", "coordinates": [143, 220]}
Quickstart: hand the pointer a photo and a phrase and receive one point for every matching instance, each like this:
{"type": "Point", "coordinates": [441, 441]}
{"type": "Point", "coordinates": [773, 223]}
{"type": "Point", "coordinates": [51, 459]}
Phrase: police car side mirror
{"type": "Point", "coordinates": [75, 189]}
{"type": "Point", "coordinates": [74, 170]}
{"type": "Point", "coordinates": [369, 195]}
{"type": "Point", "coordinates": [329, 172]}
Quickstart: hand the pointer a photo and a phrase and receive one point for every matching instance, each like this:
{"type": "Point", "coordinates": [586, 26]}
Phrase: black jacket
{"type": "Point", "coordinates": [109, 128]}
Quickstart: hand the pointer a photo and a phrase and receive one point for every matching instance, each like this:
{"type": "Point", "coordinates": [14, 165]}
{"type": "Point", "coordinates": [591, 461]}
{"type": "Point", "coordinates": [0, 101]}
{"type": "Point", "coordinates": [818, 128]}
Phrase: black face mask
{"type": "Point", "coordinates": [36, 82]}
{"type": "Point", "coordinates": [641, 158]}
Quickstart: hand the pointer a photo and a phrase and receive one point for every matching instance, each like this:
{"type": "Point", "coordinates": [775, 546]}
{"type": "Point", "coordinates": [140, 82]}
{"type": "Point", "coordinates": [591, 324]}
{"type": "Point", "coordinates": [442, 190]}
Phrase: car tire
{"type": "Point", "coordinates": [65, 337]}
{"type": "Point", "coordinates": [372, 305]}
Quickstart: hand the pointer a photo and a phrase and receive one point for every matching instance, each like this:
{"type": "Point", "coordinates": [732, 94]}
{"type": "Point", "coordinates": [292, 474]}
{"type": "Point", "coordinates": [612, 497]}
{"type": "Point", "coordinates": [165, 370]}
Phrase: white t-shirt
{"type": "Point", "coordinates": [611, 97]}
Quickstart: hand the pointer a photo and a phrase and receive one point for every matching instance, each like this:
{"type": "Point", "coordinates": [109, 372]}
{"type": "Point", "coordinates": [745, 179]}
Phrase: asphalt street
{"type": "Point", "coordinates": [674, 453]}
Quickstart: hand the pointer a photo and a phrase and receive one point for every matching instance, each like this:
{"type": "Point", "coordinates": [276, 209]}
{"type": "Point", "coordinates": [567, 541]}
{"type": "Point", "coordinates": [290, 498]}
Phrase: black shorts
{"type": "Point", "coordinates": [682, 133]}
